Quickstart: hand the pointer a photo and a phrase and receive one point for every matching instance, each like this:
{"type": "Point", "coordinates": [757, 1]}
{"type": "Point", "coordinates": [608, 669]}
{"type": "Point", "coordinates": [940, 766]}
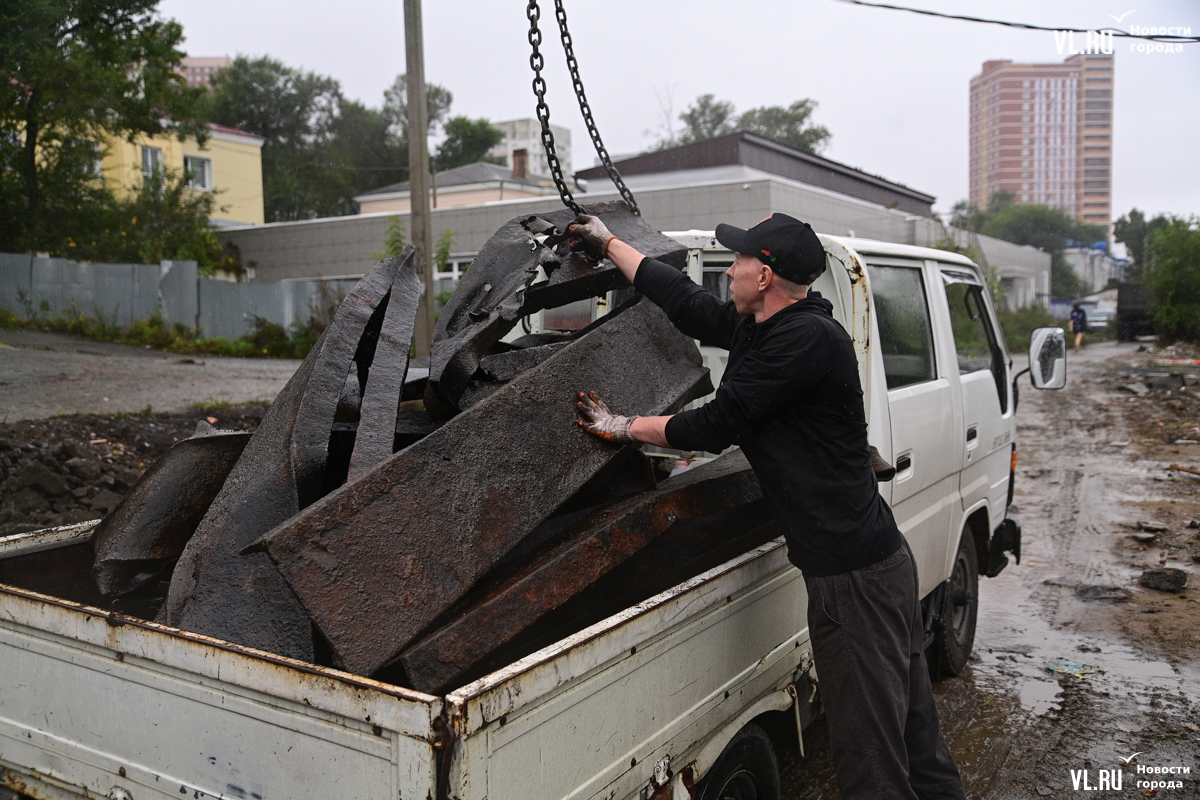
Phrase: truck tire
{"type": "Point", "coordinates": [955, 635]}
{"type": "Point", "coordinates": [745, 770]}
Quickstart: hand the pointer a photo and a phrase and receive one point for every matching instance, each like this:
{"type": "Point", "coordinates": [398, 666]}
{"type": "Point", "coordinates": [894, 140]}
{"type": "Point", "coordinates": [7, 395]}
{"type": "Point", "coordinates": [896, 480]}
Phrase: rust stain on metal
{"type": "Point", "coordinates": [378, 560]}
{"type": "Point", "coordinates": [590, 549]}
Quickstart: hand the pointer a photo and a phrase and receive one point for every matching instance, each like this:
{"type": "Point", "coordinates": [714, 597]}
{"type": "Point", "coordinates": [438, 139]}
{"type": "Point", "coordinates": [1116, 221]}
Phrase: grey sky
{"type": "Point", "coordinates": [892, 86]}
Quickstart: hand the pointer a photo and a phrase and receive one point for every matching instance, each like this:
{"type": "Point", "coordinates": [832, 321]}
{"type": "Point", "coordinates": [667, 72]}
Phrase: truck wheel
{"type": "Point", "coordinates": [745, 770]}
{"type": "Point", "coordinates": [956, 633]}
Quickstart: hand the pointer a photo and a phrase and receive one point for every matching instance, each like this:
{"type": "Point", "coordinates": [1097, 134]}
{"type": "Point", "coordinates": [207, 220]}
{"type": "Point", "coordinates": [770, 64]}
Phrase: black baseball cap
{"type": "Point", "coordinates": [785, 244]}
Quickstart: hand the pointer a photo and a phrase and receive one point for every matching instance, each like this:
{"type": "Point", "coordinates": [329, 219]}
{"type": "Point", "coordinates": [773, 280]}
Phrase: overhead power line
{"type": "Point", "coordinates": [1117, 33]}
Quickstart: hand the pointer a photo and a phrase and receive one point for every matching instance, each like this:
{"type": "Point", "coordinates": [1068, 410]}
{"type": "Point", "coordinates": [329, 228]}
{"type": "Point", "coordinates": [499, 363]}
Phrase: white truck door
{"type": "Point", "coordinates": [986, 436]}
{"type": "Point", "coordinates": [921, 403]}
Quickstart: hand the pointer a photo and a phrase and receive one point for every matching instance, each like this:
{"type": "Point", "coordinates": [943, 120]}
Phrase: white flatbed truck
{"type": "Point", "coordinates": [644, 704]}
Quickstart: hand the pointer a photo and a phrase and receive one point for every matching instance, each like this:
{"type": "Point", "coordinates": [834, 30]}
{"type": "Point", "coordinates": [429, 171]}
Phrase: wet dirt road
{"type": "Point", "coordinates": [1087, 473]}
{"type": "Point", "coordinates": [48, 374]}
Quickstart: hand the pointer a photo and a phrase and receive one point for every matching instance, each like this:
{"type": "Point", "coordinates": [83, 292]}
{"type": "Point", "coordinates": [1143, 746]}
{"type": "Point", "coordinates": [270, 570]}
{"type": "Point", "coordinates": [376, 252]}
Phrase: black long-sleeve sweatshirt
{"type": "Point", "coordinates": [791, 399]}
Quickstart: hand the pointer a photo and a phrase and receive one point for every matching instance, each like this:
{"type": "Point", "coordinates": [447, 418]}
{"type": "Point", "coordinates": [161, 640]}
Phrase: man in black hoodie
{"type": "Point", "coordinates": [791, 399]}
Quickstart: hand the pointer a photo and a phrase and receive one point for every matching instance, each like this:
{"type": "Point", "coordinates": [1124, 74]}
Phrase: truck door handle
{"type": "Point", "coordinates": [903, 463]}
{"type": "Point", "coordinates": [972, 433]}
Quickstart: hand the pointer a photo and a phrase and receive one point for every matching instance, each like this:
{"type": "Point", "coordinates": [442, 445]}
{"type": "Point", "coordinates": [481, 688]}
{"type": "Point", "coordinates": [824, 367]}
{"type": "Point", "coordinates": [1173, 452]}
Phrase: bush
{"type": "Point", "coordinates": [268, 339]}
{"type": "Point", "coordinates": [1173, 257]}
{"type": "Point", "coordinates": [1018, 325]}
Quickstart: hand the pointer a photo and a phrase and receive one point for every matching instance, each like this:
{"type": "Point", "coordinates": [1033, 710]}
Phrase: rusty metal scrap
{"type": "Point", "coordinates": [214, 589]}
{"type": "Point", "coordinates": [502, 286]}
{"type": "Point", "coordinates": [681, 553]}
{"type": "Point", "coordinates": [150, 526]}
{"type": "Point", "coordinates": [376, 561]}
{"type": "Point", "coordinates": [592, 547]}
{"type": "Point", "coordinates": [376, 432]}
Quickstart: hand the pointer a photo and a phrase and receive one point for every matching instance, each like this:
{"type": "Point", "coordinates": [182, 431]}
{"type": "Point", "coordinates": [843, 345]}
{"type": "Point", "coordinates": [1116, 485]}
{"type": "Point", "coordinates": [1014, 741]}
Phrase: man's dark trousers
{"type": "Point", "coordinates": [867, 639]}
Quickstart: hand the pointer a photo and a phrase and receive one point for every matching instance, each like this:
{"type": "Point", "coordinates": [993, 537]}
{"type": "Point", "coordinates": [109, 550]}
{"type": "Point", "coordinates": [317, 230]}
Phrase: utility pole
{"type": "Point", "coordinates": [418, 171]}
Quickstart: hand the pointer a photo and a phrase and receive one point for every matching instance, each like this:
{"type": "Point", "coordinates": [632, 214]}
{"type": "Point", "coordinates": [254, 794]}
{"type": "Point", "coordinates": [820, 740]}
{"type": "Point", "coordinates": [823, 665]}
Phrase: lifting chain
{"type": "Point", "coordinates": [543, 111]}
{"type": "Point", "coordinates": [586, 110]}
{"type": "Point", "coordinates": [536, 61]}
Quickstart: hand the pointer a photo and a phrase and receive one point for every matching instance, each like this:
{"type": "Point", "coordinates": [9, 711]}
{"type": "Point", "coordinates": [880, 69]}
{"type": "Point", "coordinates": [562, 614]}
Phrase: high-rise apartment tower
{"type": "Point", "coordinates": [1044, 133]}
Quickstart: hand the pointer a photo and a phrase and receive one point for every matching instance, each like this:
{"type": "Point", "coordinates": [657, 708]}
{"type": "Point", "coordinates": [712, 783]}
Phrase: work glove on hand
{"type": "Point", "coordinates": [597, 420]}
{"type": "Point", "coordinates": [592, 233]}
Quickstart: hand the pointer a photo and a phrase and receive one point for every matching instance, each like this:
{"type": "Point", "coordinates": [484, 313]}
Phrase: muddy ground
{"type": "Point", "coordinates": [76, 468]}
{"type": "Point", "coordinates": [1093, 462]}
{"type": "Point", "coordinates": [50, 374]}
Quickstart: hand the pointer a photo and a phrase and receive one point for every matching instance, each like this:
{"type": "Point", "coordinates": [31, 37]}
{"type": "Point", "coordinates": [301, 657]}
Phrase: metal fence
{"type": "Point", "coordinates": [121, 293]}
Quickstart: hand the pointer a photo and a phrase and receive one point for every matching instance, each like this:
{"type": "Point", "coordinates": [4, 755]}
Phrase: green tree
{"type": "Point", "coordinates": [297, 113]}
{"type": "Point", "coordinates": [441, 250]}
{"type": "Point", "coordinates": [365, 150]}
{"type": "Point", "coordinates": [791, 125]}
{"type": "Point", "coordinates": [395, 106]}
{"type": "Point", "coordinates": [1135, 232]}
{"type": "Point", "coordinates": [394, 239]}
{"type": "Point", "coordinates": [1047, 228]}
{"type": "Point", "coordinates": [467, 141]}
{"type": "Point", "coordinates": [73, 72]}
{"type": "Point", "coordinates": [708, 117]}
{"type": "Point", "coordinates": [159, 218]}
{"type": "Point", "coordinates": [321, 148]}
{"type": "Point", "coordinates": [1173, 276]}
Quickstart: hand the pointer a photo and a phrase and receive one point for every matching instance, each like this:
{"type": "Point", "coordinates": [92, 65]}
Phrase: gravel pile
{"type": "Point", "coordinates": [77, 468]}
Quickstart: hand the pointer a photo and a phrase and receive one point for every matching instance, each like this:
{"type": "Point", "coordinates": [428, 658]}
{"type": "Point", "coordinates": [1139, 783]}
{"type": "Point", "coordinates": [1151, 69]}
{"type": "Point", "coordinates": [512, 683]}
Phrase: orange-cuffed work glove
{"type": "Point", "coordinates": [593, 232]}
{"type": "Point", "coordinates": [596, 419]}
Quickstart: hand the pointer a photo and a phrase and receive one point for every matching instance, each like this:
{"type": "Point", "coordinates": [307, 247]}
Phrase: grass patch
{"type": "Point", "coordinates": [211, 404]}
{"type": "Point", "coordinates": [267, 340]}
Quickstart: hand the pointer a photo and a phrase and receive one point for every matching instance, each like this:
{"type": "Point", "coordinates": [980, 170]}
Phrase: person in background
{"type": "Point", "coordinates": [1078, 324]}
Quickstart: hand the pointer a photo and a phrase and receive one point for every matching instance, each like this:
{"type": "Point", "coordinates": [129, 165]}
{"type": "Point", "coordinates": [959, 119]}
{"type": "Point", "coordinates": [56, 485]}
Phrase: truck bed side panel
{"type": "Point", "coordinates": [659, 685]}
{"type": "Point", "coordinates": [88, 717]}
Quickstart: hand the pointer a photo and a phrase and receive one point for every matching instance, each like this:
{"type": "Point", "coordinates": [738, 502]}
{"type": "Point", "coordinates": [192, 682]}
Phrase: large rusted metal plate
{"type": "Point", "coordinates": [381, 399]}
{"type": "Point", "coordinates": [503, 285]}
{"type": "Point", "coordinates": [377, 560]}
{"type": "Point", "coordinates": [217, 591]}
{"type": "Point", "coordinates": [150, 526]}
{"type": "Point", "coordinates": [592, 547]}
{"type": "Point", "coordinates": [684, 551]}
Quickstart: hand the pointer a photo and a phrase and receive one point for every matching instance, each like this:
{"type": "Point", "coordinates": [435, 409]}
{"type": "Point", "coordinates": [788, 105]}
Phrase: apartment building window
{"type": "Point", "coordinates": [152, 160]}
{"type": "Point", "coordinates": [200, 172]}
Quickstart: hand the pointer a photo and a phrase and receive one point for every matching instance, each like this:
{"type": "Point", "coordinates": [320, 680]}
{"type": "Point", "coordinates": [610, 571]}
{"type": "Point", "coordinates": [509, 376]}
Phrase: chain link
{"type": "Point", "coordinates": [543, 111]}
{"type": "Point", "coordinates": [586, 110]}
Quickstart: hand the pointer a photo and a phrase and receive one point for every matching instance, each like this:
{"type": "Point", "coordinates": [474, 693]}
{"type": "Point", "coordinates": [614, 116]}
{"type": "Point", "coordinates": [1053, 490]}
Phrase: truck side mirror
{"type": "Point", "coordinates": [1048, 358]}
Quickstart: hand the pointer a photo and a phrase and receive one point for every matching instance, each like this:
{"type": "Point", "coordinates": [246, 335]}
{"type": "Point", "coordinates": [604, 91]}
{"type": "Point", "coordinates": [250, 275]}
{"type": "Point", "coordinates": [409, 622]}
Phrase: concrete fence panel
{"type": "Point", "coordinates": [225, 310]}
{"type": "Point", "coordinates": [178, 293]}
{"type": "Point", "coordinates": [122, 293]}
{"type": "Point", "coordinates": [266, 301]}
{"type": "Point", "coordinates": [16, 279]}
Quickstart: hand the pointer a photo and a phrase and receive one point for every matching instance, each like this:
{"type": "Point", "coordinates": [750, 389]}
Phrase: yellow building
{"type": "Point", "coordinates": [230, 164]}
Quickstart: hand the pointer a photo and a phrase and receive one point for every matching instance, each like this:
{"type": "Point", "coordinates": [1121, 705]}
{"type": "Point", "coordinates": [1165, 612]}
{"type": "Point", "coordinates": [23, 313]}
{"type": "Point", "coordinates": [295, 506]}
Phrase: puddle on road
{"type": "Point", "coordinates": [1038, 697]}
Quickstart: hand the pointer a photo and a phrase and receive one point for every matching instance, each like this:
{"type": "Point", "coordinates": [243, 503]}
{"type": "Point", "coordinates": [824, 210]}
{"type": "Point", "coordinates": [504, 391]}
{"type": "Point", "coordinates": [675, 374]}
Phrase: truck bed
{"type": "Point", "coordinates": [97, 703]}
